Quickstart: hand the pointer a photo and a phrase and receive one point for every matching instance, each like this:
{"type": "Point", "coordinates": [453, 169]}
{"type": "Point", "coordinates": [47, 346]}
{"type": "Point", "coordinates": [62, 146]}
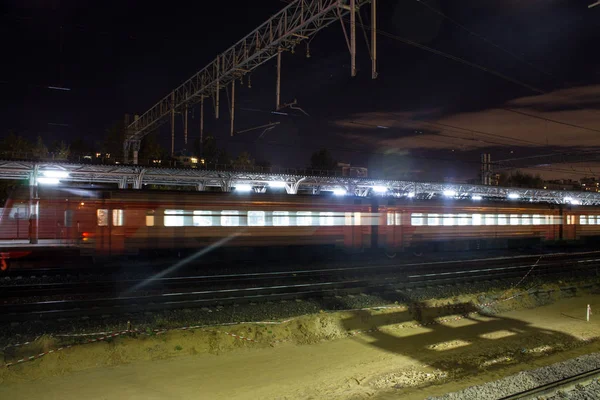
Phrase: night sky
{"type": "Point", "coordinates": [439, 114]}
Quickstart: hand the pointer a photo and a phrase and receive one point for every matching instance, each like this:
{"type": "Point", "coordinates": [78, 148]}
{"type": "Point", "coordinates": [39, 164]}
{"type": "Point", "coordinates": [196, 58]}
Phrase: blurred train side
{"type": "Point", "coordinates": [115, 222]}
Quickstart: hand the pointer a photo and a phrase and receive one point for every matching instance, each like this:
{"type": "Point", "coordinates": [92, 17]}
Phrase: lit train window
{"type": "Point", "coordinates": [591, 220]}
{"type": "Point", "coordinates": [390, 218]}
{"type": "Point", "coordinates": [357, 218]}
{"type": "Point", "coordinates": [463, 219]}
{"type": "Point", "coordinates": [326, 219]}
{"type": "Point", "coordinates": [548, 220]}
{"type": "Point", "coordinates": [449, 220]}
{"type": "Point", "coordinates": [525, 219]}
{"type": "Point", "coordinates": [502, 220]}
{"type": "Point", "coordinates": [537, 219]}
{"type": "Point", "coordinates": [256, 218]}
{"type": "Point", "coordinates": [150, 218]}
{"type": "Point", "coordinates": [433, 219]}
{"type": "Point", "coordinates": [416, 219]}
{"type": "Point", "coordinates": [230, 218]}
{"type": "Point", "coordinates": [476, 219]}
{"type": "Point", "coordinates": [398, 218]}
{"type": "Point", "coordinates": [348, 219]}
{"type": "Point", "coordinates": [174, 217]}
{"type": "Point", "coordinates": [102, 217]}
{"type": "Point", "coordinates": [570, 219]}
{"type": "Point", "coordinates": [490, 219]}
{"type": "Point", "coordinates": [281, 218]}
{"type": "Point", "coordinates": [117, 219]}
{"type": "Point", "coordinates": [304, 218]}
{"type": "Point", "coordinates": [202, 218]}
{"type": "Point", "coordinates": [582, 220]}
{"type": "Point", "coordinates": [514, 219]}
{"type": "Point", "coordinates": [18, 212]}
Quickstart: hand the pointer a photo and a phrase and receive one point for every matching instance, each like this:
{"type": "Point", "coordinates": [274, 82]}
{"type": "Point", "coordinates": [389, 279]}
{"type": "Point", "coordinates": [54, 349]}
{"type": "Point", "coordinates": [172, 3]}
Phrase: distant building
{"type": "Point", "coordinates": [353, 172]}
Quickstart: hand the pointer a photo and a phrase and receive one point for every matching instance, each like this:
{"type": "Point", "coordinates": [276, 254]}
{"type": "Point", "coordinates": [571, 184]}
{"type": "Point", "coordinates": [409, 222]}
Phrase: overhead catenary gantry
{"type": "Point", "coordinates": [293, 181]}
{"type": "Point", "coordinates": [296, 23]}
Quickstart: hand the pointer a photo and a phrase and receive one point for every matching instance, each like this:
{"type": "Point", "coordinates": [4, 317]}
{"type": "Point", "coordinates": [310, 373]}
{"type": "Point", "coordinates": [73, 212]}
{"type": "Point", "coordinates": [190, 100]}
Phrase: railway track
{"type": "Point", "coordinates": [202, 291]}
{"type": "Point", "coordinates": [552, 388]}
{"type": "Point", "coordinates": [406, 271]}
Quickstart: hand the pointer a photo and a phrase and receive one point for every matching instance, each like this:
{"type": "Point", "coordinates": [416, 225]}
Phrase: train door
{"type": "Point", "coordinates": [110, 231]}
{"type": "Point", "coordinates": [570, 226]}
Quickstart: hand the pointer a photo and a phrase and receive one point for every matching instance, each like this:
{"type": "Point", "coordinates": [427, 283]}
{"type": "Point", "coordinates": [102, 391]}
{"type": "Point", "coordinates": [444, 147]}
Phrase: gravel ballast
{"type": "Point", "coordinates": [527, 380]}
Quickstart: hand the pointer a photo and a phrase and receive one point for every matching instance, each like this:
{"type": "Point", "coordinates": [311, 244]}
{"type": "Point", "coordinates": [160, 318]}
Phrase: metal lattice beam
{"type": "Point", "coordinates": [136, 177]}
{"type": "Point", "coordinates": [300, 20]}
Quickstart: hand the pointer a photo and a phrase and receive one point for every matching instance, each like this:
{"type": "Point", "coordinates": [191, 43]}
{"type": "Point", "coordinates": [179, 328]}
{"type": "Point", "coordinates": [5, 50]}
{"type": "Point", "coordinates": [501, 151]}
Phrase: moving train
{"type": "Point", "coordinates": [106, 222]}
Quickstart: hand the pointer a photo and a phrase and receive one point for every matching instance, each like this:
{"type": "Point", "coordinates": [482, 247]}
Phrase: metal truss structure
{"type": "Point", "coordinates": [131, 176]}
{"type": "Point", "coordinates": [297, 22]}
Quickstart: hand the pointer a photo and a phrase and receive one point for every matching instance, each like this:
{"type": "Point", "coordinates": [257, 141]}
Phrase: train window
{"type": "Point", "coordinates": [174, 217]}
{"type": "Point", "coordinates": [433, 219]}
{"type": "Point", "coordinates": [281, 218]}
{"type": "Point", "coordinates": [463, 219]}
{"type": "Point", "coordinates": [304, 218]}
{"type": "Point", "coordinates": [525, 219]}
{"type": "Point", "coordinates": [150, 218]}
{"type": "Point", "coordinates": [398, 218]}
{"type": "Point", "coordinates": [357, 218]}
{"type": "Point", "coordinates": [537, 219]}
{"type": "Point", "coordinates": [18, 212]}
{"type": "Point", "coordinates": [202, 218]}
{"type": "Point", "coordinates": [514, 219]}
{"type": "Point", "coordinates": [326, 219]}
{"type": "Point", "coordinates": [117, 217]}
{"type": "Point", "coordinates": [449, 220]}
{"type": "Point", "coordinates": [591, 220]}
{"type": "Point", "coordinates": [476, 219]}
{"type": "Point", "coordinates": [416, 219]}
{"type": "Point", "coordinates": [502, 220]}
{"type": "Point", "coordinates": [390, 218]}
{"type": "Point", "coordinates": [582, 220]}
{"type": "Point", "coordinates": [490, 219]}
{"type": "Point", "coordinates": [570, 219]}
{"type": "Point", "coordinates": [102, 217]}
{"type": "Point", "coordinates": [256, 218]}
{"type": "Point", "coordinates": [230, 218]}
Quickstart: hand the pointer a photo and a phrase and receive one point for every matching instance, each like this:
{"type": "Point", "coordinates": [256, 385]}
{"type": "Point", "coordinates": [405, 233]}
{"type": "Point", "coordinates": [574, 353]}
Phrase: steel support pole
{"type": "Point", "coordinates": [34, 207]}
{"type": "Point", "coordinates": [218, 89]}
{"type": "Point", "coordinates": [172, 124]}
{"type": "Point", "coordinates": [353, 37]}
{"type": "Point", "coordinates": [232, 106]}
{"type": "Point", "coordinates": [373, 39]}
{"type": "Point", "coordinates": [278, 87]}
{"type": "Point", "coordinates": [201, 126]}
{"type": "Point", "coordinates": [185, 125]}
{"type": "Point", "coordinates": [135, 156]}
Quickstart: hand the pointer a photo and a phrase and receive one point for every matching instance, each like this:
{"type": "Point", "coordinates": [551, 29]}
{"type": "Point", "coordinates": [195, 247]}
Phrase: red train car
{"type": "Point", "coordinates": [117, 222]}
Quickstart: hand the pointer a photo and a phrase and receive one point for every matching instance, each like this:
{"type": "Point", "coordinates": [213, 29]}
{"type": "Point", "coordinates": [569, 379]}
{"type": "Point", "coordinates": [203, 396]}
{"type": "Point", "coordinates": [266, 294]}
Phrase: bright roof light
{"type": "Point", "coordinates": [513, 196]}
{"type": "Point", "coordinates": [54, 173]}
{"type": "Point", "coordinates": [339, 191]}
{"type": "Point", "coordinates": [449, 193]}
{"type": "Point", "coordinates": [48, 181]}
{"type": "Point", "coordinates": [410, 195]}
{"type": "Point", "coordinates": [243, 187]}
{"type": "Point", "coordinates": [572, 200]}
{"type": "Point", "coordinates": [380, 189]}
{"type": "Point", "coordinates": [476, 197]}
{"type": "Point", "coordinates": [277, 184]}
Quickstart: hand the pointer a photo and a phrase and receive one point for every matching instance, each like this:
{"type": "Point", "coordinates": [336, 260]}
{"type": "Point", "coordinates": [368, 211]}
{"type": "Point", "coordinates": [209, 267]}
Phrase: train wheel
{"type": "Point", "coordinates": [390, 255]}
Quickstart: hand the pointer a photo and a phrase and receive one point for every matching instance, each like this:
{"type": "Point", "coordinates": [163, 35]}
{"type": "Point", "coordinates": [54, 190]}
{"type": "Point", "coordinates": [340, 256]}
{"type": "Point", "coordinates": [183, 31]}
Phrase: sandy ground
{"type": "Point", "coordinates": [316, 359]}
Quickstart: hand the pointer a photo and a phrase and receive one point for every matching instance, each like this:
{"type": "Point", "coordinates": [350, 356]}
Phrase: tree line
{"type": "Point", "coordinates": [110, 149]}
